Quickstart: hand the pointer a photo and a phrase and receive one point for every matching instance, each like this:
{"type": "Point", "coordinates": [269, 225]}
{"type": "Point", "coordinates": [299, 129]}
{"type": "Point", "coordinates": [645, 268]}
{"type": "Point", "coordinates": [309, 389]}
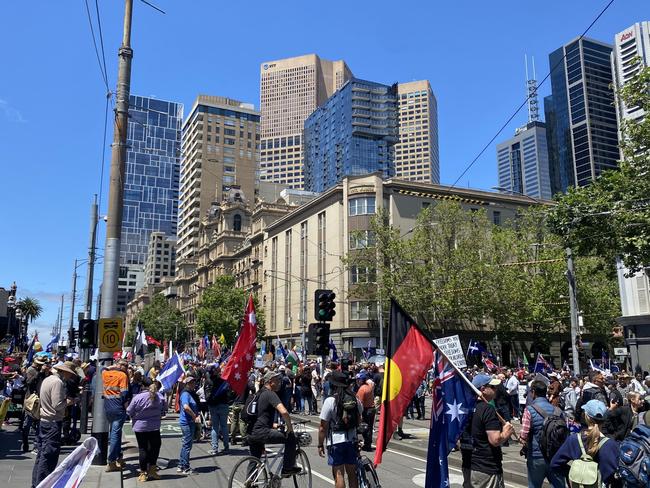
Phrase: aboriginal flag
{"type": "Point", "coordinates": [409, 355]}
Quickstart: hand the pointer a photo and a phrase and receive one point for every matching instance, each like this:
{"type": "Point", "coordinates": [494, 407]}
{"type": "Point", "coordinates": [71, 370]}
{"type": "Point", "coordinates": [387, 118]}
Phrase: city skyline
{"type": "Point", "coordinates": [65, 186]}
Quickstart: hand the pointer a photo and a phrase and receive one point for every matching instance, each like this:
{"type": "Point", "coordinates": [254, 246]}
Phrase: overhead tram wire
{"type": "Point", "coordinates": [102, 67]}
{"type": "Point", "coordinates": [525, 102]}
{"type": "Point", "coordinates": [101, 39]}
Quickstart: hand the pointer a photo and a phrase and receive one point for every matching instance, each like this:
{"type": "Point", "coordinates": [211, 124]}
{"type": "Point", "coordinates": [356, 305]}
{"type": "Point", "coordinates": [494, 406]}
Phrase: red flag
{"type": "Point", "coordinates": [151, 340]}
{"type": "Point", "coordinates": [489, 364]}
{"type": "Point", "coordinates": [409, 355]}
{"type": "Point", "coordinates": [216, 350]}
{"type": "Point", "coordinates": [235, 372]}
{"type": "Point", "coordinates": [165, 350]}
{"type": "Point", "coordinates": [201, 350]}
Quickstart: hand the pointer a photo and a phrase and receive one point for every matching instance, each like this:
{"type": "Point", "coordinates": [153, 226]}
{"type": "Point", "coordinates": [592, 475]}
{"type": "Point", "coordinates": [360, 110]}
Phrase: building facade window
{"type": "Point", "coordinates": [363, 310]}
{"type": "Point", "coordinates": [496, 217]}
{"type": "Point", "coordinates": [362, 239]}
{"type": "Point", "coordinates": [303, 271]}
{"type": "Point", "coordinates": [363, 274]}
{"type": "Point", "coordinates": [236, 223]}
{"type": "Point", "coordinates": [361, 206]}
{"type": "Point", "coordinates": [274, 284]}
{"type": "Point", "coordinates": [287, 279]}
{"type": "Point", "coordinates": [322, 251]}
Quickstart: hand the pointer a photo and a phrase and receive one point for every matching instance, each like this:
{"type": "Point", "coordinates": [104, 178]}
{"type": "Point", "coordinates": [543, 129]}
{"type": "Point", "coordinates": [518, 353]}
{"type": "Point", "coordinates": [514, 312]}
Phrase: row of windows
{"type": "Point", "coordinates": [361, 206]}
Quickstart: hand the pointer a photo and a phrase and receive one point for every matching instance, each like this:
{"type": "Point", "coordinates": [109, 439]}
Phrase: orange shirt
{"type": "Point", "coordinates": [366, 395]}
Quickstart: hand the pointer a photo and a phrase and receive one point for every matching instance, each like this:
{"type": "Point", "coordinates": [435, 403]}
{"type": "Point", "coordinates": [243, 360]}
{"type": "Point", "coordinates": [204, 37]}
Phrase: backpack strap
{"type": "Point", "coordinates": [582, 446]}
{"type": "Point", "coordinates": [540, 411]}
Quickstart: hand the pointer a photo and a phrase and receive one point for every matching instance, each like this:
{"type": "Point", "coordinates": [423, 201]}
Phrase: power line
{"type": "Point", "coordinates": [102, 67]}
{"type": "Point", "coordinates": [101, 173]}
{"type": "Point", "coordinates": [101, 41]}
{"type": "Point", "coordinates": [525, 102]}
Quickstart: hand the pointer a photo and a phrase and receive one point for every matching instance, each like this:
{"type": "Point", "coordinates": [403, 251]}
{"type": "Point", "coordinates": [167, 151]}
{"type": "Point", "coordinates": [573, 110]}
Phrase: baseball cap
{"type": "Point", "coordinates": [481, 380]}
{"type": "Point", "coordinates": [595, 410]}
{"type": "Point", "coordinates": [363, 376]}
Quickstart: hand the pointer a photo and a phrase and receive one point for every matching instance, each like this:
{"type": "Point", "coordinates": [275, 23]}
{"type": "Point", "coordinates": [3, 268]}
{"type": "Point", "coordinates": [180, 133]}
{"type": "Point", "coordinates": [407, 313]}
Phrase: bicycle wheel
{"type": "Point", "coordinates": [367, 473]}
{"type": "Point", "coordinates": [303, 479]}
{"type": "Point", "coordinates": [249, 472]}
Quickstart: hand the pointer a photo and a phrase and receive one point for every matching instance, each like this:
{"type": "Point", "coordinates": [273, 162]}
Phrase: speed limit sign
{"type": "Point", "coordinates": [110, 335]}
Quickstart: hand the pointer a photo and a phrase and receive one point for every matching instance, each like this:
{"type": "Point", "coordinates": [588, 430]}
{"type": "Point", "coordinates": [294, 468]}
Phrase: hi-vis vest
{"type": "Point", "coordinates": [116, 387]}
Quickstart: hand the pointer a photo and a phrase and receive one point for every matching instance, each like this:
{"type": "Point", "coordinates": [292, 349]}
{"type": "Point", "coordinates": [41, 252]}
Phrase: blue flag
{"type": "Point", "coordinates": [12, 344]}
{"type": "Point", "coordinates": [53, 342]}
{"type": "Point", "coordinates": [281, 349]}
{"type": "Point", "coordinates": [541, 365]}
{"type": "Point", "coordinates": [453, 400]}
{"type": "Point", "coordinates": [30, 351]}
{"type": "Point", "coordinates": [171, 373]}
{"type": "Point", "coordinates": [476, 348]}
{"type": "Point", "coordinates": [335, 356]}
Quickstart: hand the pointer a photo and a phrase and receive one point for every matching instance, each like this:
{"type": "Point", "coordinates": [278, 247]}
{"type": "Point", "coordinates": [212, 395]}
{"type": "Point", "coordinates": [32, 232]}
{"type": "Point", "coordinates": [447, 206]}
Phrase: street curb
{"type": "Point", "coordinates": [510, 476]}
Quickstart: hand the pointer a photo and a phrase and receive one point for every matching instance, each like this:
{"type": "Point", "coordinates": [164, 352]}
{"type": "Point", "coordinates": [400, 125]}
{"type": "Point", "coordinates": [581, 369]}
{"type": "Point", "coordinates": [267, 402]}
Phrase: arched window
{"type": "Point", "coordinates": [236, 223]}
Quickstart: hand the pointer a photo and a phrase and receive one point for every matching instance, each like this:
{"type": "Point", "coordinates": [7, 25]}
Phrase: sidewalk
{"type": "Point", "coordinates": [16, 466]}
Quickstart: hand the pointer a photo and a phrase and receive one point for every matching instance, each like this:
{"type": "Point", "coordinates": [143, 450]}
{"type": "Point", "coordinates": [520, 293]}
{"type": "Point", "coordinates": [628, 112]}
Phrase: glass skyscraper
{"type": "Point", "coordinates": [353, 133]}
{"type": "Point", "coordinates": [580, 114]}
{"type": "Point", "coordinates": [152, 175]}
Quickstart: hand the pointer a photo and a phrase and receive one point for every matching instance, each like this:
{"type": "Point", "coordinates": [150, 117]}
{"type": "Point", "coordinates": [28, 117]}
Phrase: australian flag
{"type": "Point", "coordinates": [541, 365]}
{"type": "Point", "coordinates": [453, 403]}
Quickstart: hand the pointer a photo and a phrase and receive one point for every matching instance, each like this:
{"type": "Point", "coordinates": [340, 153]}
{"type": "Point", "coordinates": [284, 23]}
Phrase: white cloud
{"type": "Point", "coordinates": [11, 113]}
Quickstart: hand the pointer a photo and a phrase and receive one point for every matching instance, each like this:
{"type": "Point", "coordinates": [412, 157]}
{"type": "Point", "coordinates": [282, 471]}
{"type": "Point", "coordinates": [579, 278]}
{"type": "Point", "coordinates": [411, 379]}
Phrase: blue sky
{"type": "Point", "coordinates": [52, 95]}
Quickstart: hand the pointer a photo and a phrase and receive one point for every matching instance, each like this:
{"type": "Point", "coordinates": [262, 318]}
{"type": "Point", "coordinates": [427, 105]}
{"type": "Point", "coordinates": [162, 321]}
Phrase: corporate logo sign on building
{"type": "Point", "coordinates": [267, 66]}
{"type": "Point", "coordinates": [626, 36]}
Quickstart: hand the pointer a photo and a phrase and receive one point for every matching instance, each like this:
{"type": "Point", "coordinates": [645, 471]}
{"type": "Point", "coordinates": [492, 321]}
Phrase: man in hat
{"type": "Point", "coordinates": [34, 377]}
{"type": "Point", "coordinates": [341, 452]}
{"type": "Point", "coordinates": [53, 403]}
{"type": "Point", "coordinates": [262, 430]}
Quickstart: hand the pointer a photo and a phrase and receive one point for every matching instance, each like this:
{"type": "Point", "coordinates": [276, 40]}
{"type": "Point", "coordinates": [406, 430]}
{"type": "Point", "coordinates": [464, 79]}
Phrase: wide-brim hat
{"type": "Point", "coordinates": [64, 367]}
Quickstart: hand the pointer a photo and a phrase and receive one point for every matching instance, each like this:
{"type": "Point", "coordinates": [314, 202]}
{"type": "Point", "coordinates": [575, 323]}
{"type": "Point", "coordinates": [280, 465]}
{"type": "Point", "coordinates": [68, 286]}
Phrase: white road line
{"type": "Point", "coordinates": [450, 467]}
{"type": "Point", "coordinates": [315, 473]}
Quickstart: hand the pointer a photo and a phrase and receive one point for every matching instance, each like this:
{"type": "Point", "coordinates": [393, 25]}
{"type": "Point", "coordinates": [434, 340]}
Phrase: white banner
{"type": "Point", "coordinates": [451, 347]}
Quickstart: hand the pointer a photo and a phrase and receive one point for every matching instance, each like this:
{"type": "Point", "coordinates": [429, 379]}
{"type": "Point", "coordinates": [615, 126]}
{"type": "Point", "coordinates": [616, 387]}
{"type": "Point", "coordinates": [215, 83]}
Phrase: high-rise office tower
{"type": "Point", "coordinates": [353, 133]}
{"type": "Point", "coordinates": [416, 152]}
{"type": "Point", "coordinates": [580, 116]}
{"type": "Point", "coordinates": [220, 155]}
{"type": "Point", "coordinates": [631, 54]}
{"type": "Point", "coordinates": [523, 162]}
{"type": "Point", "coordinates": [290, 90]}
{"type": "Point", "coordinates": [151, 185]}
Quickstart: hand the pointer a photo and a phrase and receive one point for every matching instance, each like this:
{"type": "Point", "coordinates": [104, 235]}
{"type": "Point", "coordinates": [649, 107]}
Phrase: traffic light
{"type": "Point", "coordinates": [320, 345]}
{"type": "Point", "coordinates": [87, 334]}
{"type": "Point", "coordinates": [324, 305]}
{"type": "Point", "coordinates": [72, 338]}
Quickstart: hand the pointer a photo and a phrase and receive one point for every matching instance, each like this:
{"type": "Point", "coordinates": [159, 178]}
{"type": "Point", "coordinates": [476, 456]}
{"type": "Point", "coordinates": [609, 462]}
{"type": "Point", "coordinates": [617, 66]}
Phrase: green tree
{"type": "Point", "coordinates": [611, 216]}
{"type": "Point", "coordinates": [160, 320]}
{"type": "Point", "coordinates": [30, 308]}
{"type": "Point", "coordinates": [221, 310]}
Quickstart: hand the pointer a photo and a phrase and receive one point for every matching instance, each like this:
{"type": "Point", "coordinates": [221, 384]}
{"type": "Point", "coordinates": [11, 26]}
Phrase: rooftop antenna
{"type": "Point", "coordinates": [531, 86]}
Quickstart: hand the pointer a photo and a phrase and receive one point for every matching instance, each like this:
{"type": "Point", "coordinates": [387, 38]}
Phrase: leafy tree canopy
{"type": "Point", "coordinates": [221, 310]}
{"type": "Point", "coordinates": [611, 216]}
{"type": "Point", "coordinates": [161, 321]}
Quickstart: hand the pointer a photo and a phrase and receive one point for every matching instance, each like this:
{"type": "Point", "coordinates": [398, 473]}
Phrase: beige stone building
{"type": "Point", "coordinates": [161, 258]}
{"type": "Point", "coordinates": [304, 250]}
{"type": "Point", "coordinates": [290, 90]}
{"type": "Point", "coordinates": [219, 154]}
{"type": "Point", "coordinates": [416, 153]}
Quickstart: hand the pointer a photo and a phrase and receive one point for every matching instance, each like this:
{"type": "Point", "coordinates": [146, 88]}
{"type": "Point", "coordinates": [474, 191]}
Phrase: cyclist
{"type": "Point", "coordinates": [263, 431]}
{"type": "Point", "coordinates": [341, 451]}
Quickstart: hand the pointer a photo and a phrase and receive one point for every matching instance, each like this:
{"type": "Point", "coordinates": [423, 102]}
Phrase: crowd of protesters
{"type": "Point", "coordinates": [599, 409]}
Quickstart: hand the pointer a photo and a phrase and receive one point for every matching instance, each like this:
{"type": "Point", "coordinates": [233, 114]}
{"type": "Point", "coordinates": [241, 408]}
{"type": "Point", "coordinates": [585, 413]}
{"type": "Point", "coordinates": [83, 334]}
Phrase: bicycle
{"type": "Point", "coordinates": [366, 473]}
{"type": "Point", "coordinates": [251, 472]}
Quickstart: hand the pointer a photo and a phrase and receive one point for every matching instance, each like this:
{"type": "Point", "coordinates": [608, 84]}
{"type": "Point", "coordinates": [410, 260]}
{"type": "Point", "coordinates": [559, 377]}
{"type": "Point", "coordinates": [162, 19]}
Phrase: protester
{"type": "Point", "coordinates": [532, 424]}
{"type": "Point", "coordinates": [366, 396]}
{"type": "Point", "coordinates": [189, 415]}
{"type": "Point", "coordinates": [262, 431]}
{"type": "Point", "coordinates": [116, 395]}
{"type": "Point", "coordinates": [145, 410]}
{"type": "Point", "coordinates": [592, 442]}
{"type": "Point", "coordinates": [488, 434]}
{"type": "Point", "coordinates": [34, 376]}
{"type": "Point", "coordinates": [341, 451]}
{"type": "Point", "coordinates": [512, 386]}
{"type": "Point", "coordinates": [217, 401]}
{"type": "Point", "coordinates": [53, 404]}
{"type": "Point", "coordinates": [594, 389]}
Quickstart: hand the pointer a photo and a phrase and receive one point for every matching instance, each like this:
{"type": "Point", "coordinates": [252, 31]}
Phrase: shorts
{"type": "Point", "coordinates": [339, 454]}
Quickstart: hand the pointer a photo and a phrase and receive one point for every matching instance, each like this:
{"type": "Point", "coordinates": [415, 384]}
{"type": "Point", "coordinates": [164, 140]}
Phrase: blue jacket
{"type": "Point", "coordinates": [607, 457]}
{"type": "Point", "coordinates": [536, 424]}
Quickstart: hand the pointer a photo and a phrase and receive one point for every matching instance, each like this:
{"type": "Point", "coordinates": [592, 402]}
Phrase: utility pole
{"type": "Point", "coordinates": [72, 300]}
{"type": "Point", "coordinates": [114, 223]}
{"type": "Point", "coordinates": [573, 303]}
{"type": "Point", "coordinates": [60, 321]}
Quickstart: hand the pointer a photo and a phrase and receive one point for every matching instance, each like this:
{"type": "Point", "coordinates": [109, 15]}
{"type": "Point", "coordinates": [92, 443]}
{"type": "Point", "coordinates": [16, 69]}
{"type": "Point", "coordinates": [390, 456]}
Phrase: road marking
{"type": "Point", "coordinates": [316, 473]}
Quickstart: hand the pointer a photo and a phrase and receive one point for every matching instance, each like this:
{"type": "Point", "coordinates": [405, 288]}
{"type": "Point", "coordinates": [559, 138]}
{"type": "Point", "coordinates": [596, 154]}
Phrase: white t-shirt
{"type": "Point", "coordinates": [512, 385]}
{"type": "Point", "coordinates": [328, 413]}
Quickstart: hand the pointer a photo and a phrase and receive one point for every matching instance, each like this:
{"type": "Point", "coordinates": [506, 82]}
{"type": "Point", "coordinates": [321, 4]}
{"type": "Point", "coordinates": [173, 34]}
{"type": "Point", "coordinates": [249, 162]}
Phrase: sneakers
{"type": "Point", "coordinates": [213, 452]}
{"type": "Point", "coordinates": [112, 467]}
{"type": "Point", "coordinates": [180, 469]}
{"type": "Point", "coordinates": [143, 477]}
{"type": "Point", "coordinates": [291, 471]}
{"type": "Point", "coordinates": [152, 473]}
{"type": "Point", "coordinates": [188, 471]}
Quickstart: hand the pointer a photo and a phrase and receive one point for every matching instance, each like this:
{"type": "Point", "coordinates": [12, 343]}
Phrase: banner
{"type": "Point", "coordinates": [72, 470]}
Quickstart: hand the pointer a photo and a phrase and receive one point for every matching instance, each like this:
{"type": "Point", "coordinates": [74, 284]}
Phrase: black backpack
{"type": "Point", "coordinates": [250, 411]}
{"type": "Point", "coordinates": [347, 412]}
{"type": "Point", "coordinates": [554, 432]}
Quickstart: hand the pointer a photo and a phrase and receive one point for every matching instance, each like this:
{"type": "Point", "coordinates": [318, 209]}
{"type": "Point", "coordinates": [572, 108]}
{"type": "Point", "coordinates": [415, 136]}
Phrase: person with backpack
{"type": "Point", "coordinates": [588, 458]}
{"type": "Point", "coordinates": [543, 431]}
{"type": "Point", "coordinates": [339, 418]}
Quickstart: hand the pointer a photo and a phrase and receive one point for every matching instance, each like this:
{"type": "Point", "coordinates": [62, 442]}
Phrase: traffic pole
{"type": "Point", "coordinates": [72, 302]}
{"type": "Point", "coordinates": [114, 224]}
